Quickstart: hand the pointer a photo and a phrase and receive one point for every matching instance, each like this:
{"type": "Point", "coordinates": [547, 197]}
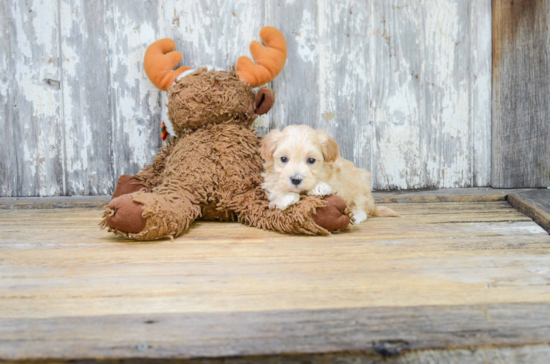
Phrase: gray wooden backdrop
{"type": "Point", "coordinates": [521, 93]}
{"type": "Point", "coordinates": [404, 86]}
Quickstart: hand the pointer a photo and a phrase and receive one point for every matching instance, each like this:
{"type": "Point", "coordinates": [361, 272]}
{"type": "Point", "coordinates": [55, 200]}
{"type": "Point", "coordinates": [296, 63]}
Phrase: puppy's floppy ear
{"type": "Point", "coordinates": [331, 151]}
{"type": "Point", "coordinates": [269, 143]}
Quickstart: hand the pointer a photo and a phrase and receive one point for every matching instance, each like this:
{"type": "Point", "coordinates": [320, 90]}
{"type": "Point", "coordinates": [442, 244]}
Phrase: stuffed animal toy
{"type": "Point", "coordinates": [211, 169]}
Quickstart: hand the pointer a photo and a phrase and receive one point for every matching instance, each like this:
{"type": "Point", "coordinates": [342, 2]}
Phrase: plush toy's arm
{"type": "Point", "coordinates": [151, 175]}
{"type": "Point", "coordinates": [148, 178]}
{"type": "Point", "coordinates": [310, 216]}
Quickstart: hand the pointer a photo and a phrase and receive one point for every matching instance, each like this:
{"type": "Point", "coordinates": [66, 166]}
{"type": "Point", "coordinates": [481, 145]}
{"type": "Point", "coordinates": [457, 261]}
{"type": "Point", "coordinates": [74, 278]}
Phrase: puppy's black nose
{"type": "Point", "coordinates": [295, 180]}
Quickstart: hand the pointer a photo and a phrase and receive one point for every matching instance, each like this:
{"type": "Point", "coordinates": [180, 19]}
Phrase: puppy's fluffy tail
{"type": "Point", "coordinates": [383, 211]}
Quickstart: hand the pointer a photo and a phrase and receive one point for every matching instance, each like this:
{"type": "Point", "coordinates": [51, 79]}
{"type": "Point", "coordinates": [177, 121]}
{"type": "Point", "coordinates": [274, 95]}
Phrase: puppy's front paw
{"type": "Point", "coordinates": [320, 189]}
{"type": "Point", "coordinates": [285, 201]}
{"type": "Point", "coordinates": [359, 216]}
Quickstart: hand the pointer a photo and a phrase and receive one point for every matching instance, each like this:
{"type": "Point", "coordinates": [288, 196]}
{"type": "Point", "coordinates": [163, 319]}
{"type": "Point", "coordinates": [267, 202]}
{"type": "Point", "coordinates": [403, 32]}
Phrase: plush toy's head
{"type": "Point", "coordinates": [200, 97]}
{"type": "Point", "coordinates": [209, 97]}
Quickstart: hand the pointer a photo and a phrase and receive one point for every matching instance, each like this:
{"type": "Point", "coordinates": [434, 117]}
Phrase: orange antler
{"type": "Point", "coordinates": [159, 63]}
{"type": "Point", "coordinates": [270, 59]}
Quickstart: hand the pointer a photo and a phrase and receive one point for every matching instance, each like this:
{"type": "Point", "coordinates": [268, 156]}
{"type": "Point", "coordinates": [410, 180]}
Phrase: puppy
{"type": "Point", "coordinates": [302, 160]}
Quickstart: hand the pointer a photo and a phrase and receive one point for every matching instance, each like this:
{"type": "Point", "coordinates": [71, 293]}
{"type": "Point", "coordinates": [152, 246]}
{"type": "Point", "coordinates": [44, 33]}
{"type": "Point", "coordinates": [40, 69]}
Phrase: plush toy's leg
{"type": "Point", "coordinates": [150, 216]}
{"type": "Point", "coordinates": [311, 215]}
{"type": "Point", "coordinates": [125, 215]}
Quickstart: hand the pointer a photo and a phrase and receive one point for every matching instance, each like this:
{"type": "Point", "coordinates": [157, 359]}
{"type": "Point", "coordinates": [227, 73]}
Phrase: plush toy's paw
{"type": "Point", "coordinates": [320, 189]}
{"type": "Point", "coordinates": [126, 185]}
{"type": "Point", "coordinates": [126, 215]}
{"type": "Point", "coordinates": [334, 215]}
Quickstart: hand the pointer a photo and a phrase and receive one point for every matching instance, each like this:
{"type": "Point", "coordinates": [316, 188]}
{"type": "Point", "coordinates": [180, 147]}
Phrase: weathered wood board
{"type": "Point", "coordinates": [463, 281]}
{"type": "Point", "coordinates": [476, 194]}
{"type": "Point", "coordinates": [32, 160]}
{"type": "Point", "coordinates": [86, 87]}
{"type": "Point", "coordinates": [404, 87]}
{"type": "Point", "coordinates": [535, 204]}
{"type": "Point", "coordinates": [510, 333]}
{"type": "Point", "coordinates": [521, 93]}
{"type": "Point", "coordinates": [430, 62]}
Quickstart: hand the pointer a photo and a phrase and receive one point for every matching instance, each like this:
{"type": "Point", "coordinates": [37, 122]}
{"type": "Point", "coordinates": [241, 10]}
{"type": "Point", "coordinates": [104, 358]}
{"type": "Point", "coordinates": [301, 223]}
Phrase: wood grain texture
{"type": "Point", "coordinates": [86, 84]}
{"type": "Point", "coordinates": [443, 281]}
{"type": "Point", "coordinates": [412, 261]}
{"type": "Point", "coordinates": [429, 58]}
{"type": "Point", "coordinates": [535, 204]}
{"type": "Point", "coordinates": [58, 202]}
{"type": "Point", "coordinates": [345, 62]}
{"type": "Point", "coordinates": [298, 84]}
{"type": "Point", "coordinates": [363, 335]}
{"type": "Point", "coordinates": [31, 122]}
{"type": "Point", "coordinates": [404, 88]}
{"type": "Point", "coordinates": [480, 91]}
{"type": "Point", "coordinates": [521, 93]}
{"type": "Point", "coordinates": [475, 194]}
{"type": "Point", "coordinates": [397, 102]}
{"type": "Point", "coordinates": [135, 104]}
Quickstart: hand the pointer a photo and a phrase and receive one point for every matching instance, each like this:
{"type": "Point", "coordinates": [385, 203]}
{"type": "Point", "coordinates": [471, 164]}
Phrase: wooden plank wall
{"type": "Point", "coordinates": [521, 93]}
{"type": "Point", "coordinates": [404, 86]}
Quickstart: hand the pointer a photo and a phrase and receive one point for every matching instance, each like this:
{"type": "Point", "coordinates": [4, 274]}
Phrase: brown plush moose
{"type": "Point", "coordinates": [211, 168]}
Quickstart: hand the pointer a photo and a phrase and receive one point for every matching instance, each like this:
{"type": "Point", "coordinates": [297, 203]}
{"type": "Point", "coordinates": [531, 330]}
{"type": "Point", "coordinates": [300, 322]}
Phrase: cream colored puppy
{"type": "Point", "coordinates": [302, 160]}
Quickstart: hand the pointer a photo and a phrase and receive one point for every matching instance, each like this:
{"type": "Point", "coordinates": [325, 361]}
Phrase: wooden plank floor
{"type": "Point", "coordinates": [445, 276]}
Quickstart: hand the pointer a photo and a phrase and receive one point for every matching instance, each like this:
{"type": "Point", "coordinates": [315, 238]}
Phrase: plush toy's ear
{"type": "Point", "coordinates": [331, 151]}
{"type": "Point", "coordinates": [269, 144]}
{"type": "Point", "coordinates": [265, 98]}
{"type": "Point", "coordinates": [270, 59]}
{"type": "Point", "coordinates": [159, 63]}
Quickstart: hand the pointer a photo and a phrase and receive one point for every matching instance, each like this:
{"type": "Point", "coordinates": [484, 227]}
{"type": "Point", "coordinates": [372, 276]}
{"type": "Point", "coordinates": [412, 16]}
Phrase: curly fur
{"type": "Point", "coordinates": [209, 97]}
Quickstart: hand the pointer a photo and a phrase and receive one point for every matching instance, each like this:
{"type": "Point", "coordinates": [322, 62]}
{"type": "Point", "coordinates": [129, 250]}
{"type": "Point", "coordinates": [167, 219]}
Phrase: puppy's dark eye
{"type": "Point", "coordinates": [311, 160]}
{"type": "Point", "coordinates": [284, 159]}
